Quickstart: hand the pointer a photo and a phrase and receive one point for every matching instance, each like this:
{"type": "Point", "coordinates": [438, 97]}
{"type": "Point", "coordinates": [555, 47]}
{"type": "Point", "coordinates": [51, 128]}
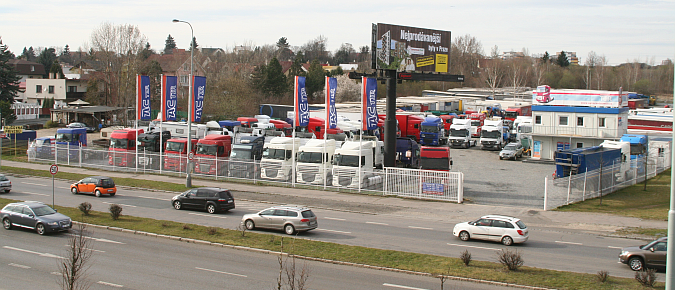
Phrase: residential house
{"type": "Point", "coordinates": [26, 70]}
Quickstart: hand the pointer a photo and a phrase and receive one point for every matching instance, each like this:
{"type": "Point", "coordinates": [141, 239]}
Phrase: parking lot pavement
{"type": "Point", "coordinates": [533, 216]}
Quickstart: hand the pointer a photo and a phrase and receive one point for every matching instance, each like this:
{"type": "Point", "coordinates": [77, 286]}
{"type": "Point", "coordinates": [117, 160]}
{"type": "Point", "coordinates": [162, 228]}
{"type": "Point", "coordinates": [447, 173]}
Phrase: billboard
{"type": "Point", "coordinates": [544, 95]}
{"type": "Point", "coordinates": [410, 49]}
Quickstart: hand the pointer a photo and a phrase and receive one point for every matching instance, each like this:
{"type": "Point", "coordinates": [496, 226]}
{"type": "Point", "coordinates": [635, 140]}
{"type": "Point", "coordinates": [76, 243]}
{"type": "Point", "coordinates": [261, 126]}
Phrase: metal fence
{"type": "Point", "coordinates": [602, 181]}
{"type": "Point", "coordinates": [410, 183]}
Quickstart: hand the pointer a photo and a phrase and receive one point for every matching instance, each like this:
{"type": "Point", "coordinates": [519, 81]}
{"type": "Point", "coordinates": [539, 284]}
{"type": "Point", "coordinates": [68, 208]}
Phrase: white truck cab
{"type": "Point", "coordinates": [353, 166]}
{"type": "Point", "coordinates": [277, 158]}
{"type": "Point", "coordinates": [460, 133]}
{"type": "Point", "coordinates": [315, 161]}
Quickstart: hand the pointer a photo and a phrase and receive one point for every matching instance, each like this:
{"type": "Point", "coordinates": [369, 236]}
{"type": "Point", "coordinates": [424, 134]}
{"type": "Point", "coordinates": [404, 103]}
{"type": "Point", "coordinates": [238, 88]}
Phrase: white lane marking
{"type": "Point", "coordinates": [221, 272]}
{"type": "Point", "coordinates": [476, 247]}
{"type": "Point", "coordinates": [110, 284]}
{"type": "Point", "coordinates": [56, 273]}
{"type": "Point", "coordinates": [29, 183]}
{"type": "Point", "coordinates": [102, 240]}
{"type": "Point", "coordinates": [333, 231]}
{"type": "Point", "coordinates": [402, 287]}
{"type": "Point", "coordinates": [90, 249]}
{"type": "Point", "coordinates": [420, 228]}
{"type": "Point", "coordinates": [42, 194]}
{"type": "Point", "coordinates": [151, 197]}
{"type": "Point", "coordinates": [119, 204]}
{"type": "Point", "coordinates": [571, 243]}
{"type": "Point", "coordinates": [19, 266]}
{"type": "Point", "coordinates": [33, 252]}
{"type": "Point", "coordinates": [615, 247]}
{"type": "Point", "coordinates": [59, 187]}
{"type": "Point", "coordinates": [335, 219]}
{"type": "Point", "coordinates": [208, 215]}
{"type": "Point", "coordinates": [376, 223]}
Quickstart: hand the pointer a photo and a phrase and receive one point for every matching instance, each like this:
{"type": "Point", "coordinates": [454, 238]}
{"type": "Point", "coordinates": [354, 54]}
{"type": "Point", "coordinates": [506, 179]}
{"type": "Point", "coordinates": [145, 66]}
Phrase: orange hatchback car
{"type": "Point", "coordinates": [98, 185]}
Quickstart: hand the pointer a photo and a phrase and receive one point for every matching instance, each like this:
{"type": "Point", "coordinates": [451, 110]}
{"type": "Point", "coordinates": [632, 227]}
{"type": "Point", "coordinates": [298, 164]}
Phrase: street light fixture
{"type": "Point", "coordinates": [188, 175]}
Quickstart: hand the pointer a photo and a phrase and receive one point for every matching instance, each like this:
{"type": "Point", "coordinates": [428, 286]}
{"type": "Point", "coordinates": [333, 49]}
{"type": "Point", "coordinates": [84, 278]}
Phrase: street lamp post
{"type": "Point", "coordinates": [188, 175]}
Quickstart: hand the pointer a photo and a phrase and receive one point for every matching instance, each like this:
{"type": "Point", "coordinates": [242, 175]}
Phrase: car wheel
{"type": "Point", "coordinates": [515, 158]}
{"type": "Point", "coordinates": [211, 208]}
{"type": "Point", "coordinates": [250, 225]}
{"type": "Point", "coordinates": [464, 236]}
{"type": "Point", "coordinates": [507, 241]}
{"type": "Point", "coordinates": [112, 194]}
{"type": "Point", "coordinates": [73, 190]}
{"type": "Point", "coordinates": [7, 224]}
{"type": "Point", "coordinates": [40, 229]}
{"type": "Point", "coordinates": [97, 193]}
{"type": "Point", "coordinates": [289, 229]}
{"type": "Point", "coordinates": [635, 263]}
{"type": "Point", "coordinates": [500, 158]}
{"type": "Point", "coordinates": [177, 205]}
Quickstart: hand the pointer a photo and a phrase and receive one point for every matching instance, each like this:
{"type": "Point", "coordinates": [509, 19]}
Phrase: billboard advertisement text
{"type": "Point", "coordinates": [406, 48]}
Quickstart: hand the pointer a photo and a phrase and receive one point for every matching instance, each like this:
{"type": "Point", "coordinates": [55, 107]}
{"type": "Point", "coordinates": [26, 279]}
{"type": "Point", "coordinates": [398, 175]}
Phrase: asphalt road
{"type": "Point", "coordinates": [128, 261]}
{"type": "Point", "coordinates": [384, 228]}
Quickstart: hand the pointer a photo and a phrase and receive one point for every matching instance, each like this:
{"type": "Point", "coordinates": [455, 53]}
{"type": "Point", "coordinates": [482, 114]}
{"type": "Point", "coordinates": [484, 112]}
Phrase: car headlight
{"type": "Point", "coordinates": [623, 253]}
{"type": "Point", "coordinates": [52, 223]}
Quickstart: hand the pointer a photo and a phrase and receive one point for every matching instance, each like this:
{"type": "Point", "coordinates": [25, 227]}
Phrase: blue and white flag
{"type": "Point", "coordinates": [331, 112]}
{"type": "Point", "coordinates": [169, 97]}
{"type": "Point", "coordinates": [143, 97]}
{"type": "Point", "coordinates": [369, 104]}
{"type": "Point", "coordinates": [301, 105]}
{"type": "Point", "coordinates": [198, 89]}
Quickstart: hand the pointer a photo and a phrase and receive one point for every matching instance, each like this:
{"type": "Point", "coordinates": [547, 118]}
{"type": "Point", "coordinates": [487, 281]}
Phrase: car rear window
{"type": "Point", "coordinates": [3, 178]}
{"type": "Point", "coordinates": [307, 214]}
{"type": "Point", "coordinates": [521, 224]}
{"type": "Point", "coordinates": [224, 194]}
{"type": "Point", "coordinates": [106, 182]}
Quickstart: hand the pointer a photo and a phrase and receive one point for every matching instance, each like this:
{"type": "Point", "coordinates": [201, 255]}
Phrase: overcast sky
{"type": "Point", "coordinates": [621, 30]}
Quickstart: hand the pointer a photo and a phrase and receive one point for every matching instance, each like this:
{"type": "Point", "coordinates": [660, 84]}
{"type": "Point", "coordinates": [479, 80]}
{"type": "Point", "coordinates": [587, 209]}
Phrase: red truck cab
{"type": "Point", "coordinates": [211, 153]}
{"type": "Point", "coordinates": [477, 121]}
{"type": "Point", "coordinates": [122, 149]}
{"type": "Point", "coordinates": [435, 158]}
{"type": "Point", "coordinates": [410, 125]}
{"type": "Point", "coordinates": [282, 126]}
{"type": "Point", "coordinates": [447, 122]}
{"type": "Point", "coordinates": [176, 154]}
{"type": "Point", "coordinates": [246, 124]}
{"type": "Point", "coordinates": [318, 125]}
{"type": "Point", "coordinates": [511, 113]}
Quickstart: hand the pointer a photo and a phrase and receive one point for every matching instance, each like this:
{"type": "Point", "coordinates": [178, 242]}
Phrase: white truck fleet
{"type": "Point", "coordinates": [315, 161]}
{"type": "Point", "coordinates": [350, 171]}
{"type": "Point", "coordinates": [492, 134]}
{"type": "Point", "coordinates": [460, 134]}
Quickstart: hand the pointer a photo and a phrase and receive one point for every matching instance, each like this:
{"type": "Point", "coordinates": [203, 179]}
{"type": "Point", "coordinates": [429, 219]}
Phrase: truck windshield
{"type": "Point", "coordinates": [310, 157]}
{"type": "Point", "coordinates": [241, 153]}
{"type": "Point", "coordinates": [39, 142]}
{"type": "Point", "coordinates": [435, 163]}
{"type": "Point", "coordinates": [63, 137]}
{"type": "Point", "coordinates": [475, 123]}
{"type": "Point", "coordinates": [510, 114]}
{"type": "Point", "coordinates": [175, 146]}
{"type": "Point", "coordinates": [430, 129]}
{"type": "Point", "coordinates": [278, 154]}
{"type": "Point", "coordinates": [524, 129]}
{"type": "Point", "coordinates": [204, 149]}
{"type": "Point", "coordinates": [491, 134]}
{"type": "Point", "coordinates": [459, 133]}
{"type": "Point", "coordinates": [119, 143]}
{"type": "Point", "coordinates": [348, 160]}
{"type": "Point", "coordinates": [146, 144]}
{"type": "Point", "coordinates": [637, 149]}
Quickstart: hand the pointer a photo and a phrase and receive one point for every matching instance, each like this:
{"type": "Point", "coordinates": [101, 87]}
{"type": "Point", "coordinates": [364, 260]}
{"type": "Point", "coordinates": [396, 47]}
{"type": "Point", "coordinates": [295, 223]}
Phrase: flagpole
{"type": "Point", "coordinates": [295, 121]}
{"type": "Point", "coordinates": [363, 122]}
{"type": "Point", "coordinates": [161, 120]}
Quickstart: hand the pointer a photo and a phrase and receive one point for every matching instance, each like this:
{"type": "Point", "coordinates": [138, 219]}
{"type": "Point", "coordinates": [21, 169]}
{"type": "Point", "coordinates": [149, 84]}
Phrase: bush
{"type": "Point", "coordinates": [115, 211]}
{"type": "Point", "coordinates": [212, 230]}
{"type": "Point", "coordinates": [51, 124]}
{"type": "Point", "coordinates": [242, 230]}
{"type": "Point", "coordinates": [84, 207]}
{"type": "Point", "coordinates": [602, 276]}
{"type": "Point", "coordinates": [512, 260]}
{"type": "Point", "coordinates": [465, 256]}
{"type": "Point", "coordinates": [646, 277]}
{"type": "Point", "coordinates": [186, 227]}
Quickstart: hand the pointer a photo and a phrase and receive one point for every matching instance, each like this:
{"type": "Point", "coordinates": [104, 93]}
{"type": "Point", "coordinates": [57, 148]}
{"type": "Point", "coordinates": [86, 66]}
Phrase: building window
{"type": "Point", "coordinates": [537, 119]}
{"type": "Point", "coordinates": [580, 121]}
{"type": "Point", "coordinates": [601, 123]}
{"type": "Point", "coordinates": [184, 80]}
{"type": "Point", "coordinates": [51, 89]}
{"type": "Point", "coordinates": [72, 89]}
{"type": "Point", "coordinates": [562, 121]}
{"type": "Point", "coordinates": [32, 68]}
{"type": "Point", "coordinates": [580, 145]}
{"type": "Point", "coordinates": [38, 89]}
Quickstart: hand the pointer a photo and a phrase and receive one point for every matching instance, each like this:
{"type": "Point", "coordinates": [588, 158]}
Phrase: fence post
{"type": "Point", "coordinates": [386, 181]}
{"type": "Point", "coordinates": [569, 188]}
{"type": "Point", "coordinates": [68, 154]}
{"type": "Point", "coordinates": [583, 195]}
{"type": "Point", "coordinates": [545, 192]}
{"type": "Point", "coordinates": [79, 150]}
{"type": "Point", "coordinates": [460, 187]}
{"type": "Point", "coordinates": [56, 152]}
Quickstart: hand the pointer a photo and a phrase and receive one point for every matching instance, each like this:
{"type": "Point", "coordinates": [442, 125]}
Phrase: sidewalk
{"type": "Point", "coordinates": [570, 221]}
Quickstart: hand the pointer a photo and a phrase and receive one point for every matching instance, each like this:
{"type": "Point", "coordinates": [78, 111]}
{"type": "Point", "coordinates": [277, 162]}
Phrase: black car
{"type": "Point", "coordinates": [211, 199]}
{"type": "Point", "coordinates": [34, 215]}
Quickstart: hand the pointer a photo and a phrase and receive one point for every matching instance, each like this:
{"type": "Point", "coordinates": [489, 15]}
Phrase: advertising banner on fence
{"type": "Point", "coordinates": [169, 97]}
{"type": "Point", "coordinates": [331, 112]}
{"type": "Point", "coordinates": [301, 105]}
{"type": "Point", "coordinates": [198, 90]}
{"type": "Point", "coordinates": [544, 95]}
{"type": "Point", "coordinates": [410, 49]}
{"type": "Point", "coordinates": [143, 97]}
{"type": "Point", "coordinates": [369, 103]}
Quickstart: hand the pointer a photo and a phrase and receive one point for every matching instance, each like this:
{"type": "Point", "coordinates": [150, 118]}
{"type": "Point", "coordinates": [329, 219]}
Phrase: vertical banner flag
{"type": "Point", "coordinates": [143, 98]}
{"type": "Point", "coordinates": [301, 105]}
{"type": "Point", "coordinates": [369, 103]}
{"type": "Point", "coordinates": [169, 97]}
{"type": "Point", "coordinates": [198, 89]}
{"type": "Point", "coordinates": [331, 112]}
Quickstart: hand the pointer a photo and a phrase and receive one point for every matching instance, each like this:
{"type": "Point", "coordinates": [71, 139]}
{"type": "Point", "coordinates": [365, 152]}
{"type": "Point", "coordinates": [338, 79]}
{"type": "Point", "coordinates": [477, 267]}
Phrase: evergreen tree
{"type": "Point", "coordinates": [57, 70]}
{"type": "Point", "coordinates": [545, 59]}
{"type": "Point", "coordinates": [194, 43]}
{"type": "Point", "coordinates": [47, 58]}
{"type": "Point", "coordinates": [296, 69]}
{"type": "Point", "coordinates": [147, 51]}
{"type": "Point", "coordinates": [65, 55]}
{"type": "Point", "coordinates": [9, 84]}
{"type": "Point", "coordinates": [562, 60]}
{"type": "Point", "coordinates": [316, 79]}
{"type": "Point", "coordinates": [283, 49]}
{"type": "Point", "coordinates": [30, 55]}
{"type": "Point", "coordinates": [276, 82]}
{"type": "Point", "coordinates": [169, 45]}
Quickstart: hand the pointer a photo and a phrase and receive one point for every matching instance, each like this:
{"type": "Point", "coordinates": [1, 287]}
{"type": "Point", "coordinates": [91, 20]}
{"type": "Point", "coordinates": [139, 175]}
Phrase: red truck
{"type": "Point", "coordinates": [122, 149]}
{"type": "Point", "coordinates": [282, 126]}
{"type": "Point", "coordinates": [477, 120]}
{"type": "Point", "coordinates": [513, 112]}
{"type": "Point", "coordinates": [246, 124]}
{"type": "Point", "coordinates": [211, 153]}
{"type": "Point", "coordinates": [410, 125]}
{"type": "Point", "coordinates": [176, 154]}
{"type": "Point", "coordinates": [447, 122]}
{"type": "Point", "coordinates": [435, 158]}
{"type": "Point", "coordinates": [317, 126]}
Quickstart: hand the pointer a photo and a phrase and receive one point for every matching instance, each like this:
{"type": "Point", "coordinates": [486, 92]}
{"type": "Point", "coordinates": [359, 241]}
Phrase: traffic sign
{"type": "Point", "coordinates": [191, 156]}
{"type": "Point", "coordinates": [3, 135]}
{"type": "Point", "coordinates": [53, 169]}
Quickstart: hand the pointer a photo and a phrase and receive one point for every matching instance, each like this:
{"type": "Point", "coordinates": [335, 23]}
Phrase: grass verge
{"type": "Point", "coordinates": [360, 255]}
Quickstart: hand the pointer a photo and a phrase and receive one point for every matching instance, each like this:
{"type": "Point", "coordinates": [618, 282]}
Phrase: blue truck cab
{"type": "Point", "coordinates": [71, 139]}
{"type": "Point", "coordinates": [639, 148]}
{"type": "Point", "coordinates": [432, 131]}
{"type": "Point", "coordinates": [41, 148]}
{"type": "Point", "coordinates": [407, 153]}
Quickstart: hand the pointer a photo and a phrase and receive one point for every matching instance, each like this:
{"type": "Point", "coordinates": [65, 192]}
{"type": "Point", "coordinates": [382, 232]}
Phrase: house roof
{"type": "Point", "coordinates": [24, 67]}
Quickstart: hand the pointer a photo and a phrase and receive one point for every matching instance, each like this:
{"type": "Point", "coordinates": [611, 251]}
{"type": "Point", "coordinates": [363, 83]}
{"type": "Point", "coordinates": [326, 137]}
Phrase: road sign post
{"type": "Point", "coordinates": [53, 170]}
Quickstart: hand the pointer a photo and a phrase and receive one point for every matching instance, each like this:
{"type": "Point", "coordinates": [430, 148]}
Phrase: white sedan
{"type": "Point", "coordinates": [504, 229]}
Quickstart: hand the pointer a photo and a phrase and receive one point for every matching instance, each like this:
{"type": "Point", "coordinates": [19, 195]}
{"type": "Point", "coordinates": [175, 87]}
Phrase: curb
{"type": "Point", "coordinates": [263, 251]}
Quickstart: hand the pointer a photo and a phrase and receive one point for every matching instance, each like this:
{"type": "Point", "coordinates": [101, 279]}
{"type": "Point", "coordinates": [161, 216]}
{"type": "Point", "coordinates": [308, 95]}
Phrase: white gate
{"type": "Point", "coordinates": [424, 184]}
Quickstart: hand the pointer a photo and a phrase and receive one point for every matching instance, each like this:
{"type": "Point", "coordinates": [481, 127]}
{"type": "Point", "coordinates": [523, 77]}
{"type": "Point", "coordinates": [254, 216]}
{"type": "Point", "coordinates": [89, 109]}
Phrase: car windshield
{"type": "Point", "coordinates": [241, 153]}
{"type": "Point", "coordinates": [175, 146]}
{"type": "Point", "coordinates": [207, 149]}
{"type": "Point", "coordinates": [310, 157]}
{"type": "Point", "coordinates": [43, 210]}
{"type": "Point", "coordinates": [651, 244]}
{"type": "Point", "coordinates": [459, 133]}
{"type": "Point", "coordinates": [510, 148]}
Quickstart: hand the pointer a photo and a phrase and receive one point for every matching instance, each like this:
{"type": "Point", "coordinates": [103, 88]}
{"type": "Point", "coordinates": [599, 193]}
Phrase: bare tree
{"type": "Point", "coordinates": [290, 276]}
{"type": "Point", "coordinates": [348, 90]}
{"type": "Point", "coordinates": [591, 62]}
{"type": "Point", "coordinates": [74, 267]}
{"type": "Point", "coordinates": [493, 73]}
{"type": "Point", "coordinates": [464, 55]}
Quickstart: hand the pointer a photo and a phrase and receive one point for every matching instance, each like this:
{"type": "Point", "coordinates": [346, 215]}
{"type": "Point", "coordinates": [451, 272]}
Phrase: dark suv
{"type": "Point", "coordinates": [34, 215]}
{"type": "Point", "coordinates": [211, 199]}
